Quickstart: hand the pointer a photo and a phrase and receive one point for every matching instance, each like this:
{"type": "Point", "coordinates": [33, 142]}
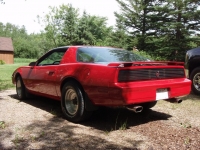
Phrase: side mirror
{"type": "Point", "coordinates": [32, 64]}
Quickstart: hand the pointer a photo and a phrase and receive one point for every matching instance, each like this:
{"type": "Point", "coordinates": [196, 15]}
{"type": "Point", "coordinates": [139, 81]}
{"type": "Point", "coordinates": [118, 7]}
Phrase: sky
{"type": "Point", "coordinates": [24, 12]}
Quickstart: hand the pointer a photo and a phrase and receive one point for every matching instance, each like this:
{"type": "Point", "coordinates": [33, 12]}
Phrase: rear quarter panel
{"type": "Point", "coordinates": [95, 79]}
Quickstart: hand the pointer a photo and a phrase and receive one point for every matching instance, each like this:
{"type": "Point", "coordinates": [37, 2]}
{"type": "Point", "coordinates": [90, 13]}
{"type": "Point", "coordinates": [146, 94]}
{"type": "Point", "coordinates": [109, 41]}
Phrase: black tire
{"type": "Point", "coordinates": [20, 88]}
{"type": "Point", "coordinates": [73, 103]}
{"type": "Point", "coordinates": [148, 105]}
{"type": "Point", "coordinates": [195, 78]}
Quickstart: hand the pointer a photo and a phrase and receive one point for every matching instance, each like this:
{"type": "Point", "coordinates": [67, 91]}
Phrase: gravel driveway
{"type": "Point", "coordinates": [38, 123]}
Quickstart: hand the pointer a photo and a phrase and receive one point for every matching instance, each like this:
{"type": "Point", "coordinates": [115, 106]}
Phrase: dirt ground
{"type": "Point", "coordinates": [39, 124]}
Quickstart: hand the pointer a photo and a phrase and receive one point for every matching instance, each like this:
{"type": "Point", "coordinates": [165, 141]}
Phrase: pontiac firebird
{"type": "Point", "coordinates": [85, 77]}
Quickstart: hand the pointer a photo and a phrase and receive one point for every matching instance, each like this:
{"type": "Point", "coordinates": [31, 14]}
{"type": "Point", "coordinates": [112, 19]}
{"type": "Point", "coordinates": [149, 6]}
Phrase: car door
{"type": "Point", "coordinates": [42, 78]}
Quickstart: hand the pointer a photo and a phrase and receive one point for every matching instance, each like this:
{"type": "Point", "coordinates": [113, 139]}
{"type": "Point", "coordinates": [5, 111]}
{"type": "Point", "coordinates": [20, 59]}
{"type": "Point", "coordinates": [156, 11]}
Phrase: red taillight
{"type": "Point", "coordinates": [150, 74]}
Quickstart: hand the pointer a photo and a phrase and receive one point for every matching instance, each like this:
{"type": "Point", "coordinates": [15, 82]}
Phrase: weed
{"type": "Point", "coordinates": [186, 125]}
{"type": "Point", "coordinates": [107, 132]}
{"type": "Point", "coordinates": [123, 126]}
{"type": "Point", "coordinates": [33, 138]}
{"type": "Point", "coordinates": [53, 112]}
{"type": "Point", "coordinates": [17, 139]}
{"type": "Point", "coordinates": [116, 121]}
{"type": "Point", "coordinates": [2, 124]}
{"type": "Point", "coordinates": [42, 134]}
{"type": "Point", "coordinates": [17, 129]}
{"type": "Point", "coordinates": [187, 141]}
{"type": "Point", "coordinates": [2, 62]}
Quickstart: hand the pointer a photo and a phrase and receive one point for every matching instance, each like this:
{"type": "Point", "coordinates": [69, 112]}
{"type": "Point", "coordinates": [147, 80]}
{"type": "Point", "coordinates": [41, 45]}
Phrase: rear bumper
{"type": "Point", "coordinates": [146, 91]}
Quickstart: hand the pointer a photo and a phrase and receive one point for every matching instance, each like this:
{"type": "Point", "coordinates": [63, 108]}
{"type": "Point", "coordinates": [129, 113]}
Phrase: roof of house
{"type": "Point", "coordinates": [6, 44]}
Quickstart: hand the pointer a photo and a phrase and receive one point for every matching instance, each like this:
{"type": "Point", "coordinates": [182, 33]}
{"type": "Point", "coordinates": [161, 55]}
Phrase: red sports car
{"type": "Point", "coordinates": [85, 77]}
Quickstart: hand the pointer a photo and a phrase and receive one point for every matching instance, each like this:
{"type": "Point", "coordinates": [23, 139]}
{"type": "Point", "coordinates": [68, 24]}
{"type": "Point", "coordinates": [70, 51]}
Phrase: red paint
{"type": "Point", "coordinates": [100, 81]}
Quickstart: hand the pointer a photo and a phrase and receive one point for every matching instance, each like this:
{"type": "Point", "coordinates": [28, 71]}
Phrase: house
{"type": "Point", "coordinates": [6, 50]}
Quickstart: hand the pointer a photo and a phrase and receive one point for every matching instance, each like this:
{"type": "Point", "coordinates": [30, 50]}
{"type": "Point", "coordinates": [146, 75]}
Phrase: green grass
{"type": "Point", "coordinates": [6, 71]}
{"type": "Point", "coordinates": [23, 60]}
{"type": "Point", "coordinates": [2, 125]}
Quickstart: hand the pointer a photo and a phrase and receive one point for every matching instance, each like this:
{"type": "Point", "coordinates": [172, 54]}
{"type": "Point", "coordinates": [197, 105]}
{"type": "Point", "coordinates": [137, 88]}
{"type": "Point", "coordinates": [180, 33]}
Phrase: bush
{"type": "Point", "coordinates": [150, 56]}
{"type": "Point", "coordinates": [2, 62]}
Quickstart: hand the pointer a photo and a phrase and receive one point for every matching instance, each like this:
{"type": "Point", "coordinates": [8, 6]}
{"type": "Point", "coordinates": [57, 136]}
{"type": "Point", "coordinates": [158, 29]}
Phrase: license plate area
{"type": "Point", "coordinates": [162, 94]}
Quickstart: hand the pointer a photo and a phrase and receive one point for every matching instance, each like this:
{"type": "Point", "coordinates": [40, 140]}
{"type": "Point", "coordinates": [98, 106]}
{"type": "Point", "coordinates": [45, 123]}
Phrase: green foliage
{"type": "Point", "coordinates": [2, 125]}
{"type": "Point", "coordinates": [5, 84]}
{"type": "Point", "coordinates": [23, 60]}
{"type": "Point", "coordinates": [2, 62]}
{"type": "Point", "coordinates": [123, 126]}
{"type": "Point", "coordinates": [17, 140]}
{"type": "Point", "coordinates": [6, 74]}
{"type": "Point", "coordinates": [164, 28]}
{"type": "Point", "coordinates": [60, 25]}
{"type": "Point", "coordinates": [92, 30]}
{"type": "Point", "coordinates": [63, 26]}
{"type": "Point", "coordinates": [25, 46]}
{"type": "Point", "coordinates": [148, 56]}
{"type": "Point", "coordinates": [186, 125]}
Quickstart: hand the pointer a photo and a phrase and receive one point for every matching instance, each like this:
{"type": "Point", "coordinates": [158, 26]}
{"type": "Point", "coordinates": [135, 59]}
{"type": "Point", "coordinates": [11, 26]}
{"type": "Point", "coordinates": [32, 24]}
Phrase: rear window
{"type": "Point", "coordinates": [106, 55]}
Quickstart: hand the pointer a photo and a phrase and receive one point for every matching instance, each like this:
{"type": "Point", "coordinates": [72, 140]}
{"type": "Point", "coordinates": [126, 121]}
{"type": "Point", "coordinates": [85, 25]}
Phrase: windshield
{"type": "Point", "coordinates": [106, 55]}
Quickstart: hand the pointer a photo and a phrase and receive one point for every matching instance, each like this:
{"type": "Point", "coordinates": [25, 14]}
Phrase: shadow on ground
{"type": "Point", "coordinates": [191, 96]}
{"type": "Point", "coordinates": [105, 119]}
{"type": "Point", "coordinates": [58, 133]}
{"type": "Point", "coordinates": [103, 130]}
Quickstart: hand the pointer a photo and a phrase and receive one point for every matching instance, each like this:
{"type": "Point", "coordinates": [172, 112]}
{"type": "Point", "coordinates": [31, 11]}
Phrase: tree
{"type": "Point", "coordinates": [120, 37]}
{"type": "Point", "coordinates": [136, 17]}
{"type": "Point", "coordinates": [25, 45]}
{"type": "Point", "coordinates": [93, 30]}
{"type": "Point", "coordinates": [161, 27]}
{"type": "Point", "coordinates": [63, 26]}
{"type": "Point", "coordinates": [180, 26]}
{"type": "Point", "coordinates": [68, 16]}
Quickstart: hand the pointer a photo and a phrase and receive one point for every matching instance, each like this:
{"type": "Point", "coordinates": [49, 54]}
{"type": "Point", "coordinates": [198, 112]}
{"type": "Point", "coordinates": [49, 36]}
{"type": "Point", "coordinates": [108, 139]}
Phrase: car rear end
{"type": "Point", "coordinates": [142, 82]}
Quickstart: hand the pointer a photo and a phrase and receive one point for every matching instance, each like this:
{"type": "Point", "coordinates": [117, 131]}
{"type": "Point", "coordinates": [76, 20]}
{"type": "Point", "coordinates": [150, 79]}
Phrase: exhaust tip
{"type": "Point", "coordinates": [136, 109]}
{"type": "Point", "coordinates": [179, 100]}
{"type": "Point", "coordinates": [174, 100]}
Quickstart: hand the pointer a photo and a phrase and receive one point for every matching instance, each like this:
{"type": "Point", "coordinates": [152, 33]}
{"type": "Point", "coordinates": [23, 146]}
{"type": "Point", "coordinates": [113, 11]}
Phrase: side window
{"type": "Point", "coordinates": [85, 56]}
{"type": "Point", "coordinates": [52, 59]}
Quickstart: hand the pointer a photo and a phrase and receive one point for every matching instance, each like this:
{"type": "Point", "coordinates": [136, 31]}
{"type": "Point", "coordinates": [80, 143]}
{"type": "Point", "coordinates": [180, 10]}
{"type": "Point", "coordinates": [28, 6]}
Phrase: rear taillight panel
{"type": "Point", "coordinates": [150, 74]}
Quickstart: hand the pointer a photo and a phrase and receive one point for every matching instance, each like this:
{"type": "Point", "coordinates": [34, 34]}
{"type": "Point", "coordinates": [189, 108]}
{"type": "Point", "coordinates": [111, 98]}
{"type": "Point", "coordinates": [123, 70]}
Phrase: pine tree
{"type": "Point", "coordinates": [165, 28]}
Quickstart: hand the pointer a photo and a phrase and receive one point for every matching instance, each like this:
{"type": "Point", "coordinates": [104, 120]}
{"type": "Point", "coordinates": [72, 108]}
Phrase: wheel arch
{"type": "Point", "coordinates": [193, 74]}
{"type": "Point", "coordinates": [15, 77]}
{"type": "Point", "coordinates": [89, 105]}
{"type": "Point", "coordinates": [193, 64]}
{"type": "Point", "coordinates": [72, 79]}
{"type": "Point", "coordinates": [192, 68]}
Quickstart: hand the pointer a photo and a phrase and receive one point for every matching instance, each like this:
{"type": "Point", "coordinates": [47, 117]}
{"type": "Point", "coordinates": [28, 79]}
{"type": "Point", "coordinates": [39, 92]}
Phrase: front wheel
{"type": "Point", "coordinates": [73, 103]}
{"type": "Point", "coordinates": [195, 78]}
{"type": "Point", "coordinates": [20, 88]}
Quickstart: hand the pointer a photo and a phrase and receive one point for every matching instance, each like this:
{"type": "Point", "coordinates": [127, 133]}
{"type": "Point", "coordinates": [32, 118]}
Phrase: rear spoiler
{"type": "Point", "coordinates": [146, 63]}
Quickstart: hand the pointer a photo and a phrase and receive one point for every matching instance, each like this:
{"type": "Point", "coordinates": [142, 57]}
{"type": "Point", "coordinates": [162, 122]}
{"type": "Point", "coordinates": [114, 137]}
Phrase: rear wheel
{"type": "Point", "coordinates": [20, 88]}
{"type": "Point", "coordinates": [73, 103]}
{"type": "Point", "coordinates": [195, 78]}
